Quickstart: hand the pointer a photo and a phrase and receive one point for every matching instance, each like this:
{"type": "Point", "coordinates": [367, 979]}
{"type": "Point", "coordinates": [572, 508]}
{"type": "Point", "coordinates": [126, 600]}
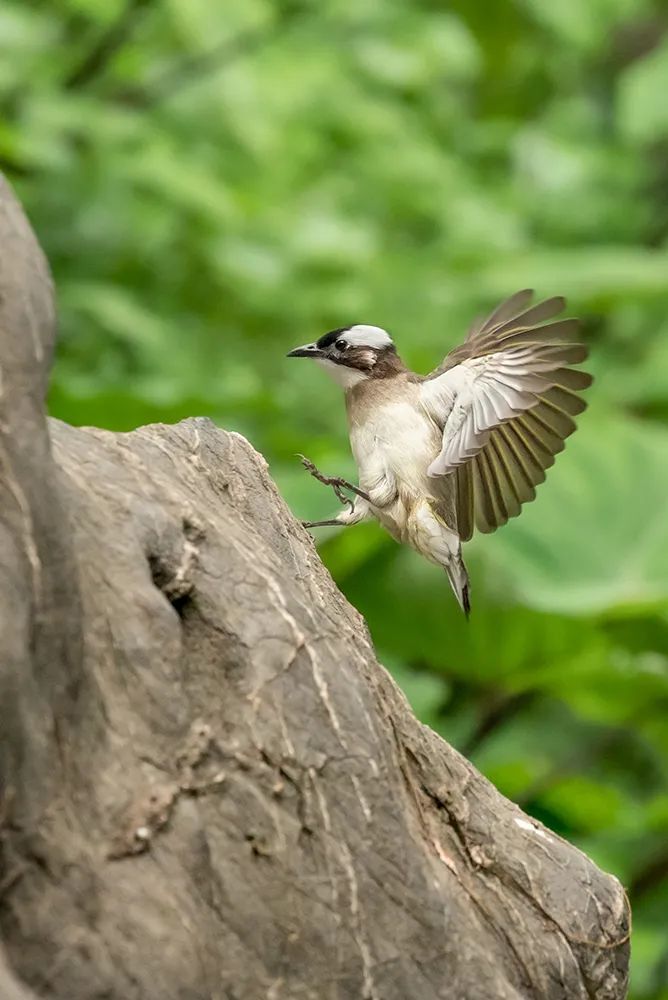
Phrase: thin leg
{"type": "Point", "coordinates": [321, 524]}
{"type": "Point", "coordinates": [336, 482]}
{"type": "Point", "coordinates": [359, 511]}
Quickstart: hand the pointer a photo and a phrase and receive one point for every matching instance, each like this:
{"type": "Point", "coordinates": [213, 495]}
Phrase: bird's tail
{"type": "Point", "coordinates": [459, 581]}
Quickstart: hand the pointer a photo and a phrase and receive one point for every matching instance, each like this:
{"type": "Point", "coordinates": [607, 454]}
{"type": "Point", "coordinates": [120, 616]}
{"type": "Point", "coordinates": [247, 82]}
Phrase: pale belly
{"type": "Point", "coordinates": [393, 449]}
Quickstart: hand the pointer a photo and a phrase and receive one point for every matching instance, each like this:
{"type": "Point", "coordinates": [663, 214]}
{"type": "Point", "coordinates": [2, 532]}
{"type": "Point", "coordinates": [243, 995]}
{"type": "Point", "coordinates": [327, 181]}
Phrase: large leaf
{"type": "Point", "coordinates": [596, 538]}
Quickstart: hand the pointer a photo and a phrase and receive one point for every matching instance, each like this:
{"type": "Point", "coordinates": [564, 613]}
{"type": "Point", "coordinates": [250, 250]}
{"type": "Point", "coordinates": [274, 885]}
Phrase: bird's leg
{"type": "Point", "coordinates": [360, 511]}
{"type": "Point", "coordinates": [337, 483]}
{"type": "Point", "coordinates": [321, 524]}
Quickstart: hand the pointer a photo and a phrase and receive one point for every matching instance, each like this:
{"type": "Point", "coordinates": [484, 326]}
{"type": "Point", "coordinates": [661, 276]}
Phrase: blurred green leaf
{"type": "Point", "coordinates": [587, 805]}
{"type": "Point", "coordinates": [598, 536]}
{"type": "Point", "coordinates": [642, 110]}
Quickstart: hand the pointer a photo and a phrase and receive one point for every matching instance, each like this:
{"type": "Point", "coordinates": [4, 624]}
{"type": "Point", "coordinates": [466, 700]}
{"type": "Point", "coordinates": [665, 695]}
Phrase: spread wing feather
{"type": "Point", "coordinates": [511, 307]}
{"type": "Point", "coordinates": [505, 399]}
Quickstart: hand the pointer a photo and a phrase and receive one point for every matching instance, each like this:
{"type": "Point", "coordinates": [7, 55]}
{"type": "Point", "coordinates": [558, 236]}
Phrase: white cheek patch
{"type": "Point", "coordinates": [367, 336]}
{"type": "Point", "coordinates": [346, 377]}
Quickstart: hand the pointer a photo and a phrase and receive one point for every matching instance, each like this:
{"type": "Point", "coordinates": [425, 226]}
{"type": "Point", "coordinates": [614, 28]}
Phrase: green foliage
{"type": "Point", "coordinates": [215, 184]}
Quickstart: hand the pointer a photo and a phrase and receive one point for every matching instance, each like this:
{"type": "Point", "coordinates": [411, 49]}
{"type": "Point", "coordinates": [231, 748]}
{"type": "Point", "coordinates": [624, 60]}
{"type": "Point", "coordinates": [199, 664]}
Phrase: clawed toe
{"type": "Point", "coordinates": [336, 482]}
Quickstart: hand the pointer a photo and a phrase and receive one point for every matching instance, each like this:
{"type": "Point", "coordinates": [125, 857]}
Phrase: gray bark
{"type": "Point", "coordinates": [210, 787]}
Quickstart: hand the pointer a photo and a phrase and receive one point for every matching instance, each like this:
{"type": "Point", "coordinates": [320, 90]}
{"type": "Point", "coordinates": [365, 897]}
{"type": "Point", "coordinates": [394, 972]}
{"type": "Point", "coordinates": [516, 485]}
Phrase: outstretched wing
{"type": "Point", "coordinates": [505, 399]}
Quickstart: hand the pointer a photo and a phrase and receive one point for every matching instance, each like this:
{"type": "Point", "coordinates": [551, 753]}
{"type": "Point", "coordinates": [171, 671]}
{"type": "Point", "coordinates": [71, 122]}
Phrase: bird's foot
{"type": "Point", "coordinates": [336, 482]}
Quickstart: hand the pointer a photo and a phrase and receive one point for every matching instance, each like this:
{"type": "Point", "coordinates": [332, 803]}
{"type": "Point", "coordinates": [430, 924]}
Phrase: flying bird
{"type": "Point", "coordinates": [465, 446]}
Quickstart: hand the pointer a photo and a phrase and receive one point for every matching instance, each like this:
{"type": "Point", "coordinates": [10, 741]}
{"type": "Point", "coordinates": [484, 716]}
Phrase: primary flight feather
{"type": "Point", "coordinates": [465, 446]}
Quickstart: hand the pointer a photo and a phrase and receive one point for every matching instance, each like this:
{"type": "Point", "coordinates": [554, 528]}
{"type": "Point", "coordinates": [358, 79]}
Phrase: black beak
{"type": "Point", "coordinates": [307, 351]}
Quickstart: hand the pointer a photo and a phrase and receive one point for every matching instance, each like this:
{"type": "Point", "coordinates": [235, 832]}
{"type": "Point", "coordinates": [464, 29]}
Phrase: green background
{"type": "Point", "coordinates": [215, 183]}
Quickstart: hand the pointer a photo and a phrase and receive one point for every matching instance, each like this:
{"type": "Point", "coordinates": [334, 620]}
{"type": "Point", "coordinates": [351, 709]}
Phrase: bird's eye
{"type": "Point", "coordinates": [340, 345]}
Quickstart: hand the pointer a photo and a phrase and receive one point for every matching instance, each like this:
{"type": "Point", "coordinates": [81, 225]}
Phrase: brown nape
{"type": "Point", "coordinates": [388, 364]}
{"type": "Point", "coordinates": [361, 358]}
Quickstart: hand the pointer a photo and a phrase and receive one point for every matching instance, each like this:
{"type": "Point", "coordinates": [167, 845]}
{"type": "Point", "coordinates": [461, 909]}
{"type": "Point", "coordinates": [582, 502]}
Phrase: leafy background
{"type": "Point", "coordinates": [215, 183]}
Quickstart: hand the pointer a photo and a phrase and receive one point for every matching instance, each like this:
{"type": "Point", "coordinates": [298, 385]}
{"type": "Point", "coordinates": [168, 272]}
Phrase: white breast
{"type": "Point", "coordinates": [393, 447]}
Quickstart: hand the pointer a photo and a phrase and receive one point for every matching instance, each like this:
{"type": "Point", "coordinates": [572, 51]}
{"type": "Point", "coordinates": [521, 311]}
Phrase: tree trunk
{"type": "Point", "coordinates": [210, 787]}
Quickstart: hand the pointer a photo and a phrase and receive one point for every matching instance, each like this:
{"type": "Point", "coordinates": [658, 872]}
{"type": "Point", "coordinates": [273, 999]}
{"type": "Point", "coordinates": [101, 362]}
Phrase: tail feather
{"type": "Point", "coordinates": [459, 581]}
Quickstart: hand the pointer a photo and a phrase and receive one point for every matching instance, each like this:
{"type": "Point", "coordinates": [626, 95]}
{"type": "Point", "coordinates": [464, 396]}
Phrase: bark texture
{"type": "Point", "coordinates": [211, 790]}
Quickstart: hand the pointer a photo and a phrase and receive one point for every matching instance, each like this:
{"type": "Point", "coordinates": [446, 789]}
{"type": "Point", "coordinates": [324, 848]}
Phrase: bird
{"type": "Point", "coordinates": [464, 447]}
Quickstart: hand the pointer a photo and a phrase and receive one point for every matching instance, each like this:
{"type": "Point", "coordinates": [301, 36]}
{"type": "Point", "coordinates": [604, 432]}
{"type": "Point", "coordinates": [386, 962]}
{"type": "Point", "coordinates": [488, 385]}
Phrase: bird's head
{"type": "Point", "coordinates": [352, 354]}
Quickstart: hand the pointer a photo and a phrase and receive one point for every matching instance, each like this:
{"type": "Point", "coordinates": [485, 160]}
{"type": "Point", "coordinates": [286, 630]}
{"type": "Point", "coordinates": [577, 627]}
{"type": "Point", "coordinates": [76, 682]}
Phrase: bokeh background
{"type": "Point", "coordinates": [215, 183]}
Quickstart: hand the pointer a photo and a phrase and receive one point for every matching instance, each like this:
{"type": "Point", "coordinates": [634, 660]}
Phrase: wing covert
{"type": "Point", "coordinates": [505, 399]}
